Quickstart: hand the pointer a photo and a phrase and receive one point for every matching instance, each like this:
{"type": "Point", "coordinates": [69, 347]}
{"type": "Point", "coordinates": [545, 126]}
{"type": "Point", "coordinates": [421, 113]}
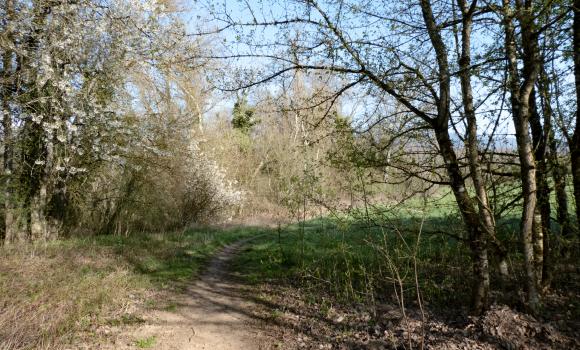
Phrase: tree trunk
{"type": "Point", "coordinates": [538, 243]}
{"type": "Point", "coordinates": [13, 230]}
{"type": "Point", "coordinates": [42, 227]}
{"type": "Point", "coordinates": [529, 188]}
{"type": "Point", "coordinates": [543, 210]}
{"type": "Point", "coordinates": [37, 143]}
{"type": "Point", "coordinates": [486, 218]}
{"type": "Point", "coordinates": [6, 86]}
{"type": "Point", "coordinates": [475, 228]}
{"type": "Point", "coordinates": [112, 218]}
{"type": "Point", "coordinates": [477, 235]}
{"type": "Point", "coordinates": [575, 144]}
{"type": "Point", "coordinates": [520, 104]}
{"type": "Point", "coordinates": [559, 173]}
{"type": "Point", "coordinates": [558, 170]}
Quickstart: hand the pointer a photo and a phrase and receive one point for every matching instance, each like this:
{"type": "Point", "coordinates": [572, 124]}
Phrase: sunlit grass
{"type": "Point", "coordinates": [356, 262]}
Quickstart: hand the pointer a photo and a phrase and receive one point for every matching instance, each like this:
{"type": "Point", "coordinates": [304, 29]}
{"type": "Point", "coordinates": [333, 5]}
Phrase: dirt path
{"type": "Point", "coordinates": [213, 314]}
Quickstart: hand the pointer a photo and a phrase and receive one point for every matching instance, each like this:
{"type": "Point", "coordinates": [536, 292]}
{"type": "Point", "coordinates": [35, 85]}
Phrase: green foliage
{"type": "Point", "coordinates": [145, 343]}
{"type": "Point", "coordinates": [243, 117]}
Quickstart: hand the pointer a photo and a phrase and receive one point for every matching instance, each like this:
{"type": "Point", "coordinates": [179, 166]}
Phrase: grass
{"type": "Point", "coordinates": [354, 262]}
{"type": "Point", "coordinates": [170, 260]}
{"type": "Point", "coordinates": [145, 343]}
{"type": "Point", "coordinates": [351, 261]}
{"type": "Point", "coordinates": [59, 293]}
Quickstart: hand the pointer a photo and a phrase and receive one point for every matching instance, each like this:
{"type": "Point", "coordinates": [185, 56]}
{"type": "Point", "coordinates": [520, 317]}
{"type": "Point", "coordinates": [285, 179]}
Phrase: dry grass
{"type": "Point", "coordinates": [53, 293]}
{"type": "Point", "coordinates": [66, 293]}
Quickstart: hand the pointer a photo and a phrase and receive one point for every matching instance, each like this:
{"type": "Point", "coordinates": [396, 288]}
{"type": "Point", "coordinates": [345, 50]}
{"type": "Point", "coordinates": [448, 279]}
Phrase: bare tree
{"type": "Point", "coordinates": [424, 91]}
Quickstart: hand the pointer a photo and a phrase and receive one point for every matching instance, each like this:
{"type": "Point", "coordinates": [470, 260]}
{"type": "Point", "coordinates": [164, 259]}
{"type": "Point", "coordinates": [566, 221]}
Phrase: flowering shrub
{"type": "Point", "coordinates": [96, 135]}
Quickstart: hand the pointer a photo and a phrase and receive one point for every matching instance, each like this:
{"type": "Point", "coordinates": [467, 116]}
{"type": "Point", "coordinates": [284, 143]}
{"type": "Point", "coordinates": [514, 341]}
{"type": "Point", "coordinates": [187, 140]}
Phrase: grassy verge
{"type": "Point", "coordinates": [351, 261]}
{"type": "Point", "coordinates": [354, 262]}
{"type": "Point", "coordinates": [54, 294]}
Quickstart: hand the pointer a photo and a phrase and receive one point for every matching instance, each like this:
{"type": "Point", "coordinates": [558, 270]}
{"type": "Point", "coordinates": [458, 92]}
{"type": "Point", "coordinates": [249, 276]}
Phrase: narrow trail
{"type": "Point", "coordinates": [212, 314]}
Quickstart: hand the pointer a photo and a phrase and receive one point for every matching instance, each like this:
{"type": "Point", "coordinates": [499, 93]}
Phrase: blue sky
{"type": "Point", "coordinates": [199, 18]}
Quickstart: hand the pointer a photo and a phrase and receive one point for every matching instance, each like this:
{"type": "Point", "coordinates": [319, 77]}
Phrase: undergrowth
{"type": "Point", "coordinates": [356, 262]}
{"type": "Point", "coordinates": [372, 262]}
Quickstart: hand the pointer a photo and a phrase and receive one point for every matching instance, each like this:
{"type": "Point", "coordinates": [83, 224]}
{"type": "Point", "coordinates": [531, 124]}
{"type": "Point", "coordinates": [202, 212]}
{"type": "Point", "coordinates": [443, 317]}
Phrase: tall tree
{"type": "Point", "coordinates": [12, 227]}
{"type": "Point", "coordinates": [575, 142]}
{"type": "Point", "coordinates": [521, 88]}
{"type": "Point", "coordinates": [66, 68]}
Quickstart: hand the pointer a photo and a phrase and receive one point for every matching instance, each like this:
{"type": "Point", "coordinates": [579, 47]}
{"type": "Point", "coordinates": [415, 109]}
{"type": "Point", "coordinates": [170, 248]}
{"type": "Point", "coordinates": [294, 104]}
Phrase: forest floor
{"type": "Point", "coordinates": [223, 309]}
{"type": "Point", "coordinates": [318, 285]}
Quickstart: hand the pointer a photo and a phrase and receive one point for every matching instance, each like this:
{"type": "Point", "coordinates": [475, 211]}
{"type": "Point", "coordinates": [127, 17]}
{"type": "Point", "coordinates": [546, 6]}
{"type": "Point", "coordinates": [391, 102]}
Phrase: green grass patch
{"type": "Point", "coordinates": [145, 343]}
{"type": "Point", "coordinates": [169, 260]}
{"type": "Point", "coordinates": [356, 262]}
{"type": "Point", "coordinates": [380, 257]}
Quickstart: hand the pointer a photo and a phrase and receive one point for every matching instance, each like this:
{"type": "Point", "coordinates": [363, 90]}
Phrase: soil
{"type": "Point", "coordinates": [212, 314]}
{"type": "Point", "coordinates": [321, 322]}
